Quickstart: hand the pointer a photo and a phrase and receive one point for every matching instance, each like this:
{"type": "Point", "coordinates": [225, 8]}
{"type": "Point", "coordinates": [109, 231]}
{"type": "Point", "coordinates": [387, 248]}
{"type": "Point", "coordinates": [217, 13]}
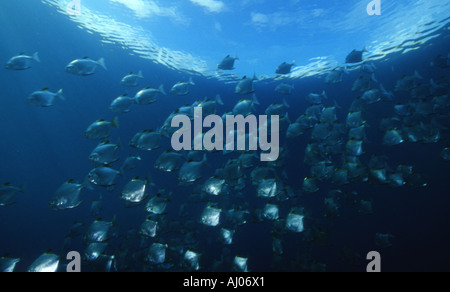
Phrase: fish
{"type": "Point", "coordinates": [168, 161]}
{"type": "Point", "coordinates": [103, 176]}
{"type": "Point", "coordinates": [46, 263]}
{"type": "Point", "coordinates": [135, 191]}
{"type": "Point", "coordinates": [245, 107]}
{"type": "Point", "coordinates": [148, 95]}
{"type": "Point", "coordinates": [158, 204]}
{"type": "Point", "coordinates": [191, 260]}
{"type": "Point", "coordinates": [245, 86]}
{"type": "Point", "coordinates": [363, 83]}
{"type": "Point", "coordinates": [182, 88]}
{"type": "Point", "coordinates": [94, 250]}
{"type": "Point", "coordinates": [157, 253]}
{"type": "Point", "coordinates": [209, 106]}
{"type": "Point", "coordinates": [227, 63]}
{"type": "Point", "coordinates": [441, 62]}
{"type": "Point", "coordinates": [122, 104]}
{"type": "Point", "coordinates": [67, 196]}
{"type": "Point", "coordinates": [104, 153]}
{"type": "Point", "coordinates": [211, 216]}
{"type": "Point", "coordinates": [392, 137]}
{"type": "Point", "coordinates": [407, 83]}
{"type": "Point", "coordinates": [277, 109]}
{"type": "Point", "coordinates": [294, 222]}
{"type": "Point", "coordinates": [271, 212]}
{"type": "Point", "coordinates": [335, 76]}
{"type": "Point", "coordinates": [368, 68]}
{"type": "Point", "coordinates": [268, 188]}
{"type": "Point", "coordinates": [8, 193]}
{"type": "Point", "coordinates": [44, 98]}
{"type": "Point", "coordinates": [132, 80]}
{"type": "Point", "coordinates": [100, 129]}
{"type": "Point", "coordinates": [101, 231]}
{"type": "Point", "coordinates": [85, 66]}
{"type": "Point", "coordinates": [130, 163]}
{"type": "Point", "coordinates": [190, 172]}
{"type": "Point", "coordinates": [214, 186]}
{"type": "Point", "coordinates": [285, 89]}
{"type": "Point", "coordinates": [226, 236]}
{"type": "Point", "coordinates": [355, 57]}
{"type": "Point", "coordinates": [22, 62]}
{"type": "Point", "coordinates": [240, 265]}
{"type": "Point", "coordinates": [285, 68]}
{"type": "Point", "coordinates": [146, 140]}
{"type": "Point", "coordinates": [97, 207]}
{"type": "Point", "coordinates": [8, 265]}
{"type": "Point", "coordinates": [294, 130]}
{"type": "Point", "coordinates": [316, 99]}
{"type": "Point", "coordinates": [445, 153]}
{"type": "Point", "coordinates": [149, 228]}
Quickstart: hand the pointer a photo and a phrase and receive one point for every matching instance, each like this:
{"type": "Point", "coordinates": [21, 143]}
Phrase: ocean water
{"type": "Point", "coordinates": [41, 148]}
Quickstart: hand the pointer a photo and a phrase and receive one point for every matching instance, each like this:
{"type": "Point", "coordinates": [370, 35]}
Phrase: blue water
{"type": "Point", "coordinates": [43, 147]}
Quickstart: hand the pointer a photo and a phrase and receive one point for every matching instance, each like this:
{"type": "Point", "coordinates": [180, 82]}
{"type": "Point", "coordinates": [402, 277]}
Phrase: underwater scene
{"type": "Point", "coordinates": [224, 136]}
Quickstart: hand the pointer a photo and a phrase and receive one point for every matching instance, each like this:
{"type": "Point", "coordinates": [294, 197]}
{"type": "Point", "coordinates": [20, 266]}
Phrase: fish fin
{"type": "Point", "coordinates": [101, 62]}
{"type": "Point", "coordinates": [286, 104]}
{"type": "Point", "coordinates": [417, 75]}
{"type": "Point", "coordinates": [87, 184]}
{"type": "Point", "coordinates": [36, 57]}
{"type": "Point", "coordinates": [219, 100]}
{"type": "Point", "coordinates": [140, 74]}
{"type": "Point", "coordinates": [60, 95]}
{"type": "Point", "coordinates": [255, 100]}
{"type": "Point", "coordinates": [373, 78]}
{"type": "Point", "coordinates": [115, 122]}
{"type": "Point", "coordinates": [161, 89]}
{"type": "Point", "coordinates": [286, 116]}
{"type": "Point", "coordinates": [191, 82]}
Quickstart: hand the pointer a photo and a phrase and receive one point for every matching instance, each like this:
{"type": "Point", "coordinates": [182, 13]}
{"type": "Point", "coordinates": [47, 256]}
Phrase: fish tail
{"type": "Point", "coordinates": [373, 78]}
{"type": "Point", "coordinates": [219, 100]}
{"type": "Point", "coordinates": [191, 82]}
{"type": "Point", "coordinates": [255, 100]}
{"type": "Point", "coordinates": [286, 104]}
{"type": "Point", "coordinates": [161, 89]}
{"type": "Point", "coordinates": [101, 62]}
{"type": "Point", "coordinates": [60, 95]}
{"type": "Point", "coordinates": [115, 122]}
{"type": "Point", "coordinates": [324, 95]}
{"type": "Point", "coordinates": [36, 57]}
{"type": "Point", "coordinates": [140, 75]}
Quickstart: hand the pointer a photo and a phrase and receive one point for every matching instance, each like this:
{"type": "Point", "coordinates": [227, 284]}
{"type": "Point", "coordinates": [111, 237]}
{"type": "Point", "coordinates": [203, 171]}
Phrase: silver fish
{"type": "Point", "coordinates": [131, 80]}
{"type": "Point", "coordinates": [100, 129]}
{"type": "Point", "coordinates": [103, 176]}
{"type": "Point", "coordinates": [22, 62]}
{"type": "Point", "coordinates": [44, 98]}
{"type": "Point", "coordinates": [122, 104]}
{"type": "Point", "coordinates": [67, 196]}
{"type": "Point", "coordinates": [182, 88]}
{"type": "Point", "coordinates": [46, 263]}
{"type": "Point", "coordinates": [85, 66]}
{"type": "Point", "coordinates": [104, 153]}
{"type": "Point", "coordinates": [148, 95]}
